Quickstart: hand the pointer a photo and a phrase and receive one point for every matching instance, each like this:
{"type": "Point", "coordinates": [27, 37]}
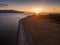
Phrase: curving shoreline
{"type": "Point", "coordinates": [23, 36]}
{"type": "Point", "coordinates": [38, 31]}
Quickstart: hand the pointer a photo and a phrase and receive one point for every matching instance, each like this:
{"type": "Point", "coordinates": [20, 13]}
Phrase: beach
{"type": "Point", "coordinates": [41, 31]}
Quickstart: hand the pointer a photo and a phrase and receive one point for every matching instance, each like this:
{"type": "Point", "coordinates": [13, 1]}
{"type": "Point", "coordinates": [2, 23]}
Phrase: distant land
{"type": "Point", "coordinates": [10, 11]}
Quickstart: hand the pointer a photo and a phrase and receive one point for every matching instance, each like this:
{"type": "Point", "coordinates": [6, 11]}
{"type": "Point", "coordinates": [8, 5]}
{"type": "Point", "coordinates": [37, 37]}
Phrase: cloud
{"type": "Point", "coordinates": [3, 5]}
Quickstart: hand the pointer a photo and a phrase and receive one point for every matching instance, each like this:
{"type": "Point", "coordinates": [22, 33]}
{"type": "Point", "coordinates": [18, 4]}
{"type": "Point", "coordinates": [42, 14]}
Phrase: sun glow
{"type": "Point", "coordinates": [37, 10]}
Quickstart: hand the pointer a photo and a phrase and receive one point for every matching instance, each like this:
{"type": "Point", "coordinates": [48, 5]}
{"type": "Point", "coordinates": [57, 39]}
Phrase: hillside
{"type": "Point", "coordinates": [10, 11]}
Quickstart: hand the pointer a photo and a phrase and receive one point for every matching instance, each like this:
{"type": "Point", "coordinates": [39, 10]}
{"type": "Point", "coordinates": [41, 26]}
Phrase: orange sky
{"type": "Point", "coordinates": [21, 5]}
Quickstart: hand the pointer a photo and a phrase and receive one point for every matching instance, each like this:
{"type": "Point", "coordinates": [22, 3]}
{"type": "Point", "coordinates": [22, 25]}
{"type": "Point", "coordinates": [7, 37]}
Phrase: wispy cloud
{"type": "Point", "coordinates": [3, 5]}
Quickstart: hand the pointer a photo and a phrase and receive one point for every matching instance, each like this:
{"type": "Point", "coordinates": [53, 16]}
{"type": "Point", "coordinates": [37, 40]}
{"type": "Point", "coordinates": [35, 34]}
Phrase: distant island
{"type": "Point", "coordinates": [10, 11]}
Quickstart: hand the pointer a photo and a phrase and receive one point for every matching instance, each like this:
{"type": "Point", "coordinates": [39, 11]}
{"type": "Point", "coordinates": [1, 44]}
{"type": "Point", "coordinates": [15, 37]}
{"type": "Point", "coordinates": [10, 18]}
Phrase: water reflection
{"type": "Point", "coordinates": [8, 27]}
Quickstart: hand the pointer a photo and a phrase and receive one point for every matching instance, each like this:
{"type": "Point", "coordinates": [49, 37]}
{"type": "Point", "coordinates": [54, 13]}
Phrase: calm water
{"type": "Point", "coordinates": [8, 27]}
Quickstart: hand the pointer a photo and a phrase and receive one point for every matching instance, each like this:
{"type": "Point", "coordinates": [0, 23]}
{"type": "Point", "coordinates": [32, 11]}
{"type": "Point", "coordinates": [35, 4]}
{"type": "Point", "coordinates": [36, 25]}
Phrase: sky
{"type": "Point", "coordinates": [29, 5]}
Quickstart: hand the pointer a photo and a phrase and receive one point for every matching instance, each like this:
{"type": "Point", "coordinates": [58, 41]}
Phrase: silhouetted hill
{"type": "Point", "coordinates": [10, 11]}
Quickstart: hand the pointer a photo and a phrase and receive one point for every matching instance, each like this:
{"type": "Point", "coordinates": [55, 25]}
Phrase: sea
{"type": "Point", "coordinates": [8, 27]}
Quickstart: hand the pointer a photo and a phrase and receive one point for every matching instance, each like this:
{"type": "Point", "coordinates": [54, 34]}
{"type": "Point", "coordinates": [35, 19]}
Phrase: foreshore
{"type": "Point", "coordinates": [41, 31]}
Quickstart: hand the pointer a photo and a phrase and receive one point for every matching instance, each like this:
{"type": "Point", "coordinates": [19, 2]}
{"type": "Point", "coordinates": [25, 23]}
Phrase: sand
{"type": "Point", "coordinates": [41, 30]}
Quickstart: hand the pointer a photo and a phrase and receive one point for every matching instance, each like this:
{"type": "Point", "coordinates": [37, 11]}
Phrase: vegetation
{"type": "Point", "coordinates": [10, 11]}
{"type": "Point", "coordinates": [55, 18]}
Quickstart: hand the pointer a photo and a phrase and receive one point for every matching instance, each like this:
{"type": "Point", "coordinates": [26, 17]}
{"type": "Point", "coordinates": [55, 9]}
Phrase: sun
{"type": "Point", "coordinates": [37, 10]}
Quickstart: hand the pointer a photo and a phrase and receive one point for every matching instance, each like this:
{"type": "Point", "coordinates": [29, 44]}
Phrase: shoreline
{"type": "Point", "coordinates": [42, 31]}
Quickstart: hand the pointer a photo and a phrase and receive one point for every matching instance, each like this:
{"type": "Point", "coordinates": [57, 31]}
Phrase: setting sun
{"type": "Point", "coordinates": [37, 10]}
